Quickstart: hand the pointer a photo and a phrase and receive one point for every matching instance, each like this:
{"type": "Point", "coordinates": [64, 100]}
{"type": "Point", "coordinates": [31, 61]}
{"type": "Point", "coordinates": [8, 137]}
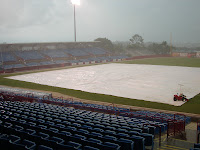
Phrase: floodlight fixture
{"type": "Point", "coordinates": [75, 2]}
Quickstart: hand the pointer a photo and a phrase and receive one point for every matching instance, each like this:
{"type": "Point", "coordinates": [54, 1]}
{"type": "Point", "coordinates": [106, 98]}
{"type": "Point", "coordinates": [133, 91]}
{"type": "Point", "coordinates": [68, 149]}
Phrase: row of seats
{"type": "Point", "coordinates": [154, 116]}
{"type": "Point", "coordinates": [42, 141]}
{"type": "Point", "coordinates": [43, 63]}
{"type": "Point", "coordinates": [88, 117]}
{"type": "Point", "coordinates": [29, 55]}
{"type": "Point", "coordinates": [77, 52]}
{"type": "Point", "coordinates": [163, 116]}
{"type": "Point", "coordinates": [55, 53]}
{"type": "Point", "coordinates": [95, 51]}
{"type": "Point", "coordinates": [156, 120]}
{"type": "Point", "coordinates": [79, 126]}
{"type": "Point", "coordinates": [39, 55]}
{"type": "Point", "coordinates": [7, 56]}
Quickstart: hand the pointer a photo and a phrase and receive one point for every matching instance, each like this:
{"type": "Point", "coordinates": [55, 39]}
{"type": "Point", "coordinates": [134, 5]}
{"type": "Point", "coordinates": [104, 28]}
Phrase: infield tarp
{"type": "Point", "coordinates": [143, 82]}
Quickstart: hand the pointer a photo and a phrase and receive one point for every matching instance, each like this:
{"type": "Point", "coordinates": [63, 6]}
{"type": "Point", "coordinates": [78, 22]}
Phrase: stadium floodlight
{"type": "Point", "coordinates": [75, 2]}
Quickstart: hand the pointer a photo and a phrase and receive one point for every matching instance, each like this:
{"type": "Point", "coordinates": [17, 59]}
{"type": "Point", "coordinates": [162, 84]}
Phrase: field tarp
{"type": "Point", "coordinates": [143, 82]}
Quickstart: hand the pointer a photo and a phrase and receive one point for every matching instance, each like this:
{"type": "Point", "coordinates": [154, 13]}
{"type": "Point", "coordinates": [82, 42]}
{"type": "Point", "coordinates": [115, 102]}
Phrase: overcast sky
{"type": "Point", "coordinates": [117, 20]}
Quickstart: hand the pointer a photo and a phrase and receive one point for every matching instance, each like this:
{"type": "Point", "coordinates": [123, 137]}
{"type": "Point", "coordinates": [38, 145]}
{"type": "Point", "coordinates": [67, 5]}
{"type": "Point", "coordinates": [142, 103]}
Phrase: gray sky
{"type": "Point", "coordinates": [117, 20]}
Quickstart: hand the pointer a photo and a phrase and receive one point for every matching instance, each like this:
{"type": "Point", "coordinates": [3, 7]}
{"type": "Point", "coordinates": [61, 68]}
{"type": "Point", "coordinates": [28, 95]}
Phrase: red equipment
{"type": "Point", "coordinates": [180, 97]}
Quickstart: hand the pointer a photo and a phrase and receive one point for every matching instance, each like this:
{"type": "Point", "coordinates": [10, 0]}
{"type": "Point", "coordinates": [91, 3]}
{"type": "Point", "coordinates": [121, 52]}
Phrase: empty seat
{"type": "Point", "coordinates": [98, 130]}
{"type": "Point", "coordinates": [74, 145]}
{"type": "Point", "coordinates": [108, 138]}
{"type": "Point", "coordinates": [133, 133]}
{"type": "Point", "coordinates": [26, 134]}
{"type": "Point", "coordinates": [197, 145]}
{"type": "Point", "coordinates": [148, 139]}
{"type": "Point", "coordinates": [95, 140]}
{"type": "Point", "coordinates": [138, 142]}
{"type": "Point", "coordinates": [78, 138]}
{"type": "Point", "coordinates": [43, 147]}
{"type": "Point", "coordinates": [89, 148]}
{"type": "Point", "coordinates": [9, 140]}
{"type": "Point", "coordinates": [40, 138]}
{"type": "Point", "coordinates": [95, 135]}
{"type": "Point", "coordinates": [51, 131]}
{"type": "Point", "coordinates": [109, 132]}
{"type": "Point", "coordinates": [52, 142]}
{"type": "Point", "coordinates": [125, 144]}
{"type": "Point", "coordinates": [25, 144]}
{"type": "Point", "coordinates": [122, 135]}
{"type": "Point", "coordinates": [110, 146]}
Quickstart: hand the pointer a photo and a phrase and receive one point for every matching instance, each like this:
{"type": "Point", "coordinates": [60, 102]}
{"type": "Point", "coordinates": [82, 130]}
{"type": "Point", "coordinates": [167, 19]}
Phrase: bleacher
{"type": "Point", "coordinates": [14, 66]}
{"type": "Point", "coordinates": [29, 55]}
{"type": "Point", "coordinates": [95, 51]}
{"type": "Point", "coordinates": [60, 61]}
{"type": "Point", "coordinates": [7, 57]}
{"type": "Point", "coordinates": [47, 63]}
{"type": "Point", "coordinates": [54, 53]}
{"type": "Point", "coordinates": [33, 64]}
{"type": "Point", "coordinates": [57, 123]}
{"type": "Point", "coordinates": [36, 59]}
{"type": "Point", "coordinates": [58, 127]}
{"type": "Point", "coordinates": [76, 52]}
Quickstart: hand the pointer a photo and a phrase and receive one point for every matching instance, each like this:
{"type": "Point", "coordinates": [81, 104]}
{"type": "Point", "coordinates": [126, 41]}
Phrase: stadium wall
{"type": "Point", "coordinates": [147, 56]}
{"type": "Point", "coordinates": [184, 54]}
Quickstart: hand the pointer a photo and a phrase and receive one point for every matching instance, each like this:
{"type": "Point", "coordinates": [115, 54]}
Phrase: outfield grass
{"type": "Point", "coordinates": [193, 106]}
{"type": "Point", "coordinates": [168, 61]}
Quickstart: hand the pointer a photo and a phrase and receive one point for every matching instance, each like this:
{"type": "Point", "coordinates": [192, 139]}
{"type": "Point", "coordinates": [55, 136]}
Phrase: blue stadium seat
{"type": "Point", "coordinates": [125, 144]}
{"type": "Point", "coordinates": [43, 147]}
{"type": "Point", "coordinates": [25, 144]}
{"type": "Point", "coordinates": [83, 132]}
{"type": "Point", "coordinates": [109, 132]}
{"type": "Point", "coordinates": [138, 142]}
{"type": "Point", "coordinates": [89, 148]}
{"type": "Point", "coordinates": [197, 145]}
{"type": "Point", "coordinates": [74, 145]}
{"type": "Point", "coordinates": [122, 135]}
{"type": "Point", "coordinates": [148, 139]}
{"type": "Point", "coordinates": [108, 138]}
{"type": "Point", "coordinates": [111, 146]}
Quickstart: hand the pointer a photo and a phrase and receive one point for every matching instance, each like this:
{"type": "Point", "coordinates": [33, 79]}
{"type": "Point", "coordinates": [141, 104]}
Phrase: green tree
{"type": "Point", "coordinates": [136, 42]}
{"type": "Point", "coordinates": [106, 43]}
{"type": "Point", "coordinates": [162, 48]}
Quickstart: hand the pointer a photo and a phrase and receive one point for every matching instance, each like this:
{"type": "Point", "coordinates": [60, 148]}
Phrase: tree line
{"type": "Point", "coordinates": [136, 42]}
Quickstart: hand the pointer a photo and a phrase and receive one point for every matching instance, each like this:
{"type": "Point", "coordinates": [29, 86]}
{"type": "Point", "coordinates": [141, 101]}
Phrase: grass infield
{"type": "Point", "coordinates": [193, 106]}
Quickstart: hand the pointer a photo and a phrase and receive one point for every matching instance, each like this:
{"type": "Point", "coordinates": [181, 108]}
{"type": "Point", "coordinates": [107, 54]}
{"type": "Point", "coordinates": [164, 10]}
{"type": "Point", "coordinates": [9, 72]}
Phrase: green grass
{"type": "Point", "coordinates": [191, 107]}
{"type": "Point", "coordinates": [168, 61]}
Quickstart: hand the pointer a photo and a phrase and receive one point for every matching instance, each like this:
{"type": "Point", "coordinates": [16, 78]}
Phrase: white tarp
{"type": "Point", "coordinates": [143, 82]}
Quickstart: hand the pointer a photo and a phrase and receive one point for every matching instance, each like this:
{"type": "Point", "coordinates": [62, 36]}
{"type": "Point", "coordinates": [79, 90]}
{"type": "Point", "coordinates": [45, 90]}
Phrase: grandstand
{"type": "Point", "coordinates": [32, 122]}
{"type": "Point", "coordinates": [29, 56]}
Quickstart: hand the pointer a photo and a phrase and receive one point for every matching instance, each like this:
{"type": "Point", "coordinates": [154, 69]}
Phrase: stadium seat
{"type": "Point", "coordinates": [111, 146]}
{"type": "Point", "coordinates": [197, 145]}
{"type": "Point", "coordinates": [125, 144]}
{"type": "Point", "coordinates": [138, 142]}
{"type": "Point", "coordinates": [89, 148]}
{"type": "Point", "coordinates": [74, 144]}
{"type": "Point", "coordinates": [43, 147]}
{"type": "Point", "coordinates": [26, 144]}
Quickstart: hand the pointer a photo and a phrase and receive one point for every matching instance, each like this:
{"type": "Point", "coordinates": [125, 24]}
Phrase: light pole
{"type": "Point", "coordinates": [75, 2]}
